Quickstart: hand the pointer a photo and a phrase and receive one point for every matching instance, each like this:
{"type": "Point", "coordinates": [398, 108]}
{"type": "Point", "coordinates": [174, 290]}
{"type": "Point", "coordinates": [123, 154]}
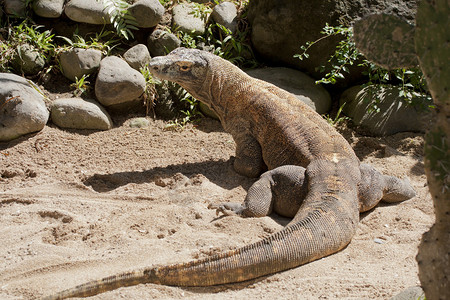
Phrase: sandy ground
{"type": "Point", "coordinates": [80, 205]}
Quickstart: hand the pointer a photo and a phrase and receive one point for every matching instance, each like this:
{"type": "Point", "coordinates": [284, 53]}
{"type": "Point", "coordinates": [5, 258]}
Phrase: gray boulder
{"type": "Point", "coordinates": [28, 60]}
{"type": "Point", "coordinates": [161, 42]}
{"type": "Point", "coordinates": [186, 20]}
{"type": "Point", "coordinates": [87, 11]}
{"type": "Point", "coordinates": [77, 62]}
{"type": "Point", "coordinates": [279, 28]}
{"type": "Point", "coordinates": [393, 116]}
{"type": "Point", "coordinates": [77, 113]}
{"type": "Point", "coordinates": [137, 56]}
{"type": "Point", "coordinates": [225, 14]}
{"type": "Point", "coordinates": [117, 82]}
{"type": "Point", "coordinates": [15, 7]}
{"type": "Point", "coordinates": [411, 293]}
{"type": "Point", "coordinates": [22, 107]}
{"type": "Point", "coordinates": [147, 13]}
{"type": "Point", "coordinates": [299, 84]}
{"type": "Point", "coordinates": [48, 8]}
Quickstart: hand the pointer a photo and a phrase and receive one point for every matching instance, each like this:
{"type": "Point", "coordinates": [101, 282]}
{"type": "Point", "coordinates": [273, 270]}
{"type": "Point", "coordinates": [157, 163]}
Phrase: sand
{"type": "Point", "coordinates": [81, 205]}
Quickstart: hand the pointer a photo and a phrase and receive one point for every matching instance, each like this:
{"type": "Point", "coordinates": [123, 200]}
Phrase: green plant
{"type": "Point", "coordinates": [81, 85]}
{"type": "Point", "coordinates": [231, 46]}
{"type": "Point", "coordinates": [149, 91]}
{"type": "Point", "coordinates": [410, 80]}
{"type": "Point", "coordinates": [104, 41]}
{"type": "Point", "coordinates": [120, 17]}
{"type": "Point", "coordinates": [201, 10]}
{"type": "Point", "coordinates": [165, 3]}
{"type": "Point", "coordinates": [191, 114]}
{"type": "Point", "coordinates": [338, 118]}
{"type": "Point", "coordinates": [22, 34]}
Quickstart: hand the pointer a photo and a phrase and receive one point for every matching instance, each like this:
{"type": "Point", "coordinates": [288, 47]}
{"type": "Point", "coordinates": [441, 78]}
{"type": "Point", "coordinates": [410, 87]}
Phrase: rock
{"type": "Point", "coordinates": [78, 62]}
{"type": "Point", "coordinates": [225, 14]}
{"type": "Point", "coordinates": [394, 114]}
{"type": "Point", "coordinates": [186, 20]}
{"type": "Point", "coordinates": [15, 7]}
{"type": "Point", "coordinates": [48, 8]}
{"type": "Point", "coordinates": [28, 60]}
{"type": "Point", "coordinates": [87, 11]}
{"type": "Point", "coordinates": [117, 82]}
{"type": "Point", "coordinates": [139, 123]}
{"type": "Point", "coordinates": [22, 107]}
{"type": "Point", "coordinates": [147, 13]}
{"type": "Point", "coordinates": [279, 28]}
{"type": "Point", "coordinates": [299, 84]}
{"type": "Point", "coordinates": [137, 57]}
{"type": "Point", "coordinates": [77, 113]}
{"type": "Point", "coordinates": [161, 42]}
{"type": "Point", "coordinates": [412, 293]}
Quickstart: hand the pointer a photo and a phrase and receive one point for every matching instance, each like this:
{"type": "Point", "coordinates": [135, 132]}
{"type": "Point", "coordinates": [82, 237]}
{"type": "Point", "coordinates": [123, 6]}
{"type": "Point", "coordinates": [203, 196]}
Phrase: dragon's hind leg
{"type": "Point", "coordinates": [280, 190]}
{"type": "Point", "coordinates": [283, 189]}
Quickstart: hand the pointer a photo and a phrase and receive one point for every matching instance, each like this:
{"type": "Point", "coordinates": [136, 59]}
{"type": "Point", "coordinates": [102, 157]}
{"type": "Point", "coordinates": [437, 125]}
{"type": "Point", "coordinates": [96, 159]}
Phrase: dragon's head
{"type": "Point", "coordinates": [187, 67]}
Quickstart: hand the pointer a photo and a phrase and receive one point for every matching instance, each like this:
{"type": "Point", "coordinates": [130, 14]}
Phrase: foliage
{"type": "Point", "coordinates": [104, 41]}
{"type": "Point", "coordinates": [191, 114]}
{"type": "Point", "coordinates": [165, 3]}
{"type": "Point", "coordinates": [201, 10]}
{"type": "Point", "coordinates": [22, 34]}
{"type": "Point", "coordinates": [81, 85]}
{"type": "Point", "coordinates": [411, 81]}
{"type": "Point", "coordinates": [120, 17]}
{"type": "Point", "coordinates": [338, 118]}
{"type": "Point", "coordinates": [149, 91]}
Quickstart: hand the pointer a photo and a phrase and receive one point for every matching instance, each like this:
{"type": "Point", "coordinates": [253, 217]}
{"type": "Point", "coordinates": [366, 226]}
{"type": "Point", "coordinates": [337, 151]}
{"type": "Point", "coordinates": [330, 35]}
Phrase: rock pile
{"type": "Point", "coordinates": [119, 80]}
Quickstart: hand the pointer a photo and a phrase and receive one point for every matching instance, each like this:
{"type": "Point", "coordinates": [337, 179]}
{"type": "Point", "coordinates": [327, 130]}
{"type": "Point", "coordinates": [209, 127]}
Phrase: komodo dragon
{"type": "Point", "coordinates": [315, 177]}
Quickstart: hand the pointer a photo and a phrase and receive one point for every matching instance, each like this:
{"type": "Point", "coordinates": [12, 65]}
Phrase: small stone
{"type": "Point", "coordinates": [28, 60]}
{"type": "Point", "coordinates": [77, 113]}
{"type": "Point", "coordinates": [147, 13]}
{"type": "Point", "coordinates": [139, 123]}
{"type": "Point", "coordinates": [225, 14]}
{"type": "Point", "coordinates": [414, 292]}
{"type": "Point", "coordinates": [161, 42]}
{"type": "Point", "coordinates": [48, 8]}
{"type": "Point", "coordinates": [186, 20]}
{"type": "Point", "coordinates": [15, 7]}
{"type": "Point", "coordinates": [87, 11]}
{"type": "Point", "coordinates": [117, 82]}
{"type": "Point", "coordinates": [378, 241]}
{"type": "Point", "coordinates": [22, 107]}
{"type": "Point", "coordinates": [78, 62]}
{"type": "Point", "coordinates": [137, 57]}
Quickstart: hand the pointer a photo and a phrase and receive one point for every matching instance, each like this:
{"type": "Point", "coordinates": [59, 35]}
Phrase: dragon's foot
{"type": "Point", "coordinates": [228, 209]}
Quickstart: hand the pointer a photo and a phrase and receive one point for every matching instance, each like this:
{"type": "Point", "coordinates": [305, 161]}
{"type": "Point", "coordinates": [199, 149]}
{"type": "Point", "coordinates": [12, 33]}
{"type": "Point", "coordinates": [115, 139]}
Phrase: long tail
{"type": "Point", "coordinates": [323, 231]}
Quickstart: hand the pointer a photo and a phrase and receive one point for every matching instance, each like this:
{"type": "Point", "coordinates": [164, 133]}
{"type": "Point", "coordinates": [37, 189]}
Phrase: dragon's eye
{"type": "Point", "coordinates": [184, 66]}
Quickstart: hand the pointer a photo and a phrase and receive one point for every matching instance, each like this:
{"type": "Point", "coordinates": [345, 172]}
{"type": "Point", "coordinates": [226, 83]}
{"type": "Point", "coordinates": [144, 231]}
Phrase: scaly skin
{"type": "Point", "coordinates": [275, 131]}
